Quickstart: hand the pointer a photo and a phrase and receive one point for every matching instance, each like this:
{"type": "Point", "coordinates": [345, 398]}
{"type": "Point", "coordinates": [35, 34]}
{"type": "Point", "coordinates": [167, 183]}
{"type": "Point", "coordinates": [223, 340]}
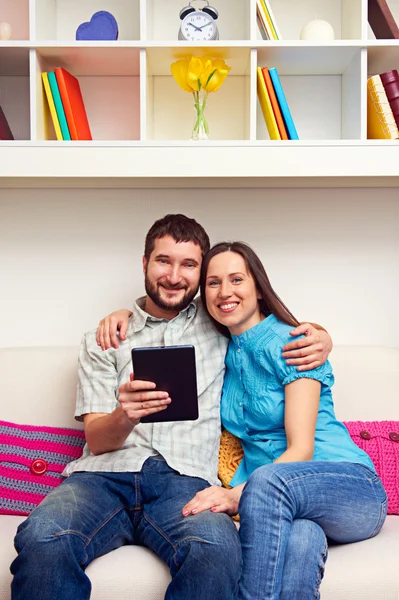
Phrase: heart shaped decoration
{"type": "Point", "coordinates": [102, 26]}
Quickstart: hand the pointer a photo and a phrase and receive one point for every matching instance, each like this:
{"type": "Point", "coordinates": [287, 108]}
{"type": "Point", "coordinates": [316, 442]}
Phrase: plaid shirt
{"type": "Point", "coordinates": [189, 447]}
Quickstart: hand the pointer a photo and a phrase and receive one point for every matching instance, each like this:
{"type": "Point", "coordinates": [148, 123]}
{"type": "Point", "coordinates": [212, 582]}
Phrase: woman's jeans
{"type": "Point", "coordinates": [284, 505]}
{"type": "Point", "coordinates": [90, 514]}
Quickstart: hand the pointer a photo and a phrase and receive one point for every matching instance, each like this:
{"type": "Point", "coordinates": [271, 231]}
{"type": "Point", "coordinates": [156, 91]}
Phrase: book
{"type": "Point", "coordinates": [272, 19]}
{"type": "Point", "coordinates": [5, 131]}
{"type": "Point", "coordinates": [390, 81]}
{"type": "Point", "coordinates": [380, 120]}
{"type": "Point", "coordinates": [72, 101]}
{"type": "Point", "coordinates": [381, 20]}
{"type": "Point", "coordinates": [266, 26]}
{"type": "Point", "coordinates": [266, 106]}
{"type": "Point", "coordinates": [51, 106]}
{"type": "Point", "coordinates": [58, 105]}
{"type": "Point", "coordinates": [262, 30]}
{"type": "Point", "coordinates": [285, 111]}
{"type": "Point", "coordinates": [275, 104]}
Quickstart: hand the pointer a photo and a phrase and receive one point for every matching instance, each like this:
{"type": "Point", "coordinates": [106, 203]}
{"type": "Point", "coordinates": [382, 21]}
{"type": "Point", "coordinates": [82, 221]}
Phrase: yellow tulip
{"type": "Point", "coordinates": [195, 69]}
{"type": "Point", "coordinates": [179, 71]}
{"type": "Point", "coordinates": [216, 76]}
{"type": "Point", "coordinates": [199, 72]}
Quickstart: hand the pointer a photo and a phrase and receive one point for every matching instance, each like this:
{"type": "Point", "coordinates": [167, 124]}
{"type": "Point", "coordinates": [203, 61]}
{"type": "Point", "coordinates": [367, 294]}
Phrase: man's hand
{"type": "Point", "coordinates": [216, 499]}
{"type": "Point", "coordinates": [137, 400]}
{"type": "Point", "coordinates": [113, 326]}
{"type": "Point", "coordinates": [310, 351]}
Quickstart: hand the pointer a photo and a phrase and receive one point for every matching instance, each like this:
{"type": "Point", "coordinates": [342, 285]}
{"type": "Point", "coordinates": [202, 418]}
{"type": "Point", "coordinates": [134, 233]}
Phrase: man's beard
{"type": "Point", "coordinates": [153, 293]}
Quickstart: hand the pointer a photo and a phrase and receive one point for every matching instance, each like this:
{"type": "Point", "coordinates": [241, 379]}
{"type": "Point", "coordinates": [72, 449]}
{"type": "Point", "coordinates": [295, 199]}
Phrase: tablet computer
{"type": "Point", "coordinates": [172, 369]}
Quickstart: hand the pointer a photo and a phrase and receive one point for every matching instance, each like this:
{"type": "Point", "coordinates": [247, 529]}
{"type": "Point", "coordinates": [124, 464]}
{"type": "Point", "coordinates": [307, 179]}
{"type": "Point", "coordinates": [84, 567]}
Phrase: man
{"type": "Point", "coordinates": [133, 479]}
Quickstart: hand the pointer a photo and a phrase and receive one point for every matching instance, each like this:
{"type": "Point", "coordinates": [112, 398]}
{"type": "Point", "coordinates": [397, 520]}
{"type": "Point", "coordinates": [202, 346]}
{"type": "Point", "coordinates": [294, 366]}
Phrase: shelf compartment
{"type": "Point", "coordinates": [110, 82]}
{"type": "Point", "coordinates": [323, 89]}
{"type": "Point", "coordinates": [345, 16]}
{"type": "Point", "coordinates": [382, 58]}
{"type": "Point", "coordinates": [163, 22]}
{"type": "Point", "coordinates": [16, 13]}
{"type": "Point", "coordinates": [15, 90]}
{"type": "Point", "coordinates": [59, 19]}
{"type": "Point", "coordinates": [170, 110]}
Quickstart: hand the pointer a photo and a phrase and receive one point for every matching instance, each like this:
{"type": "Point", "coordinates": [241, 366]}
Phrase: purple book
{"type": "Point", "coordinates": [5, 131]}
{"type": "Point", "coordinates": [390, 81]}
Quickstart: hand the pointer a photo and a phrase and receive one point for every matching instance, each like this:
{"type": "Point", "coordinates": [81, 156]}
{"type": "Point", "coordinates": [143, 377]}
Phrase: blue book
{"type": "Point", "coordinates": [58, 105]}
{"type": "Point", "coordinates": [285, 111]}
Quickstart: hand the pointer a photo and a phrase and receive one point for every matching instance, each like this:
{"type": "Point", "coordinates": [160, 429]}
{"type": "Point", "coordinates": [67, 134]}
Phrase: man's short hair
{"type": "Point", "coordinates": [181, 229]}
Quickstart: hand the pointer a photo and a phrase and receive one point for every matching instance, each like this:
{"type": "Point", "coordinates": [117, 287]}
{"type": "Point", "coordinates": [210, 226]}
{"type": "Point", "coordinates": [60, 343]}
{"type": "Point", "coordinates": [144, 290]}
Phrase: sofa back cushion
{"type": "Point", "coordinates": [38, 385]}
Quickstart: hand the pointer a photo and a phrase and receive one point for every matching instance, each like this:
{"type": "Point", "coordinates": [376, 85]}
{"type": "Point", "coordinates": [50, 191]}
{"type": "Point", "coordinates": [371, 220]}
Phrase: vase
{"type": "Point", "coordinates": [200, 129]}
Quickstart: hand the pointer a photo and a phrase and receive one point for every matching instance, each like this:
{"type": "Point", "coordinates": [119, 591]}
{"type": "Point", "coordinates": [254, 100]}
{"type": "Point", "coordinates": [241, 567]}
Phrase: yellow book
{"type": "Point", "coordinates": [266, 106]}
{"type": "Point", "coordinates": [52, 108]}
{"type": "Point", "coordinates": [380, 120]}
{"type": "Point", "coordinates": [269, 19]}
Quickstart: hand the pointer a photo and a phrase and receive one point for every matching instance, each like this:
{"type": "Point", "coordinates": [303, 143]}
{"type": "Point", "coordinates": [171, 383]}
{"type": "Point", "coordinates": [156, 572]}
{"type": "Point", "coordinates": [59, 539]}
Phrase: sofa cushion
{"type": "Point", "coordinates": [380, 440]}
{"type": "Point", "coordinates": [32, 459]}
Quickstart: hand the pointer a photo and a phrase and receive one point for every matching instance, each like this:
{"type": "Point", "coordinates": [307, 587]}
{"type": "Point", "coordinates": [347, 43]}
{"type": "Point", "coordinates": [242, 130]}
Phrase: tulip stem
{"type": "Point", "coordinates": [201, 122]}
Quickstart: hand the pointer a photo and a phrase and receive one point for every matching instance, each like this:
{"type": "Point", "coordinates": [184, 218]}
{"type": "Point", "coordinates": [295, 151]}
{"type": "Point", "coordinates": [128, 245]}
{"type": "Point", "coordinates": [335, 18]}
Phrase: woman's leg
{"type": "Point", "coordinates": [346, 500]}
{"type": "Point", "coordinates": [305, 559]}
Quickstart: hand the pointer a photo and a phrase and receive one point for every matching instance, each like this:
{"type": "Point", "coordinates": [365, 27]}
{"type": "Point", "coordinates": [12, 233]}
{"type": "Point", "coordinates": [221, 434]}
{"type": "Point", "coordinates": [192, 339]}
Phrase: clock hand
{"type": "Point", "coordinates": [206, 25]}
{"type": "Point", "coordinates": [195, 27]}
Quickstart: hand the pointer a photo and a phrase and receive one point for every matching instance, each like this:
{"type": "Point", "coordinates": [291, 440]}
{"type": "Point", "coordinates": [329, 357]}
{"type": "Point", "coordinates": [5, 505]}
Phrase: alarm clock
{"type": "Point", "coordinates": [198, 25]}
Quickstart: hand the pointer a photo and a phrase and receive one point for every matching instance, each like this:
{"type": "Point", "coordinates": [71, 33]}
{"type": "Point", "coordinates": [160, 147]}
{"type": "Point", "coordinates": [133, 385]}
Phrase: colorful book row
{"type": "Point", "coordinates": [383, 106]}
{"type": "Point", "coordinates": [273, 102]}
{"type": "Point", "coordinates": [266, 21]}
{"type": "Point", "coordinates": [66, 105]}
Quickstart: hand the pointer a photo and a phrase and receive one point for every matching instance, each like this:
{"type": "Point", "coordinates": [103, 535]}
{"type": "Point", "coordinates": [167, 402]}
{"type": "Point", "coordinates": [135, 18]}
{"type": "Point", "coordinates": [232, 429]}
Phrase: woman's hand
{"type": "Point", "coordinates": [113, 326]}
{"type": "Point", "coordinates": [310, 351]}
{"type": "Point", "coordinates": [216, 499]}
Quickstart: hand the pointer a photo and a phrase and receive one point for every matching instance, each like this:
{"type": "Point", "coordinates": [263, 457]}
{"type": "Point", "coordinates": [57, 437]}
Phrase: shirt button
{"type": "Point", "coordinates": [240, 403]}
{"type": "Point", "coordinates": [39, 466]}
{"type": "Point", "coordinates": [239, 350]}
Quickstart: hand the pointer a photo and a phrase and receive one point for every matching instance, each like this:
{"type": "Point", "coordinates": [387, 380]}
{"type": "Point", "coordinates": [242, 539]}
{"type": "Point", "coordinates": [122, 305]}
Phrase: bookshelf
{"type": "Point", "coordinates": [138, 114]}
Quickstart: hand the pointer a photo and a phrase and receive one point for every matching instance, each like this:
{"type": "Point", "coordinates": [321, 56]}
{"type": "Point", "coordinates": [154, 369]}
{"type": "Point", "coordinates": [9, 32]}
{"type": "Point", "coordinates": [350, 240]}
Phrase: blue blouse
{"type": "Point", "coordinates": [252, 405]}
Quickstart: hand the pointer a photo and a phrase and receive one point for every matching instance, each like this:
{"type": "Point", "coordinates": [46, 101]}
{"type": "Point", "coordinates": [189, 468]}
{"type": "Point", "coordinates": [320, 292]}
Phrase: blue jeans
{"type": "Point", "coordinates": [305, 503]}
{"type": "Point", "coordinates": [90, 514]}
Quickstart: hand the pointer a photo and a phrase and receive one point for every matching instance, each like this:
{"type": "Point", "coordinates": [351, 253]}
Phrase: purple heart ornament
{"type": "Point", "coordinates": [102, 26]}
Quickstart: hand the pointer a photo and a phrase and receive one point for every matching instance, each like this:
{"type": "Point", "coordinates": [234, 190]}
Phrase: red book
{"type": "Point", "coordinates": [5, 131]}
{"type": "Point", "coordinates": [390, 81]}
{"type": "Point", "coordinates": [275, 104]}
{"type": "Point", "coordinates": [73, 104]}
{"type": "Point", "coordinates": [381, 20]}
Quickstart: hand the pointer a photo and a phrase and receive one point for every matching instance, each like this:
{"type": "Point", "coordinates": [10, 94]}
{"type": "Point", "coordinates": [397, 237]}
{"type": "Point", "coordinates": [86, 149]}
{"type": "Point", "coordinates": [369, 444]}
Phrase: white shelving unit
{"type": "Point", "coordinates": [141, 120]}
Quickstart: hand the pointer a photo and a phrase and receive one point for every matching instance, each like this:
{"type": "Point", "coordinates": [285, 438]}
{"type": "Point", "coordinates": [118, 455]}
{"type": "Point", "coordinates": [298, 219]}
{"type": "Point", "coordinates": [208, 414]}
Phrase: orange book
{"type": "Point", "coordinates": [275, 104]}
{"type": "Point", "coordinates": [73, 104]}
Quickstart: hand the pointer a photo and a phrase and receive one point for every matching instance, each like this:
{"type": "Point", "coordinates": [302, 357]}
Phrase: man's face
{"type": "Point", "coordinates": [172, 276]}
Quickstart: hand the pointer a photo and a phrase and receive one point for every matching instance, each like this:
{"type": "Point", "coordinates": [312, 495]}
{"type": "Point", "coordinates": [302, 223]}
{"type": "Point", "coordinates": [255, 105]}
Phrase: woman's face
{"type": "Point", "coordinates": [231, 295]}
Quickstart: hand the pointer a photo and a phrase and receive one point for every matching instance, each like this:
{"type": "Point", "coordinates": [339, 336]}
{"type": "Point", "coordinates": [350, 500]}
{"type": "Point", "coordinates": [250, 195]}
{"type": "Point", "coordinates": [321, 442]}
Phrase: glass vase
{"type": "Point", "coordinates": [200, 129]}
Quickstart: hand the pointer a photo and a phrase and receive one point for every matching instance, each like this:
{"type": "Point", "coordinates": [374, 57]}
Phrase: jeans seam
{"type": "Point", "coordinates": [168, 539]}
{"type": "Point", "coordinates": [88, 539]}
{"type": "Point", "coordinates": [321, 571]}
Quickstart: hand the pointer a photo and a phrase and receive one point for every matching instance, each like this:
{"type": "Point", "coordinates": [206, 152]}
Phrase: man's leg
{"type": "Point", "coordinates": [305, 560]}
{"type": "Point", "coordinates": [202, 551]}
{"type": "Point", "coordinates": [85, 517]}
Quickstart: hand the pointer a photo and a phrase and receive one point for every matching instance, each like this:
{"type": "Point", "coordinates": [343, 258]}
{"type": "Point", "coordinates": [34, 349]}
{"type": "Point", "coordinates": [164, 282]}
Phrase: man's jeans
{"type": "Point", "coordinates": [91, 514]}
{"type": "Point", "coordinates": [299, 505]}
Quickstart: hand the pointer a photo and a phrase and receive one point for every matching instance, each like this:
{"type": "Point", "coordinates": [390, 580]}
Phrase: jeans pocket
{"type": "Point", "coordinates": [381, 520]}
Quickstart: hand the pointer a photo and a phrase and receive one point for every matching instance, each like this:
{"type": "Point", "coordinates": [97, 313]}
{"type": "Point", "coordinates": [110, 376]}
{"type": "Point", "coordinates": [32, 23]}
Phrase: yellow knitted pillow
{"type": "Point", "coordinates": [230, 455]}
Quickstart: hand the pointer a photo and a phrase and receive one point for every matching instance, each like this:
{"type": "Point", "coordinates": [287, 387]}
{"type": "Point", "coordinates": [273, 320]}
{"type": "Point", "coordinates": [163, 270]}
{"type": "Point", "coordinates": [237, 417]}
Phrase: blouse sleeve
{"type": "Point", "coordinates": [288, 373]}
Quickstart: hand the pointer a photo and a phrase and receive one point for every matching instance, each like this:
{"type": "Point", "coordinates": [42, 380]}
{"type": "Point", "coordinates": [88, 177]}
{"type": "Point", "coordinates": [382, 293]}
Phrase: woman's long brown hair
{"type": "Point", "coordinates": [269, 302]}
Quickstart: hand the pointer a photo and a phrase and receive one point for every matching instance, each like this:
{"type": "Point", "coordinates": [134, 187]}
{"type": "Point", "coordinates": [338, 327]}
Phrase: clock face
{"type": "Point", "coordinates": [198, 27]}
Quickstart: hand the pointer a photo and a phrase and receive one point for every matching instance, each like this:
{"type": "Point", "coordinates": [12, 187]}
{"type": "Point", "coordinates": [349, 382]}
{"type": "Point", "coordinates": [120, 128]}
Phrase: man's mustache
{"type": "Point", "coordinates": [173, 287]}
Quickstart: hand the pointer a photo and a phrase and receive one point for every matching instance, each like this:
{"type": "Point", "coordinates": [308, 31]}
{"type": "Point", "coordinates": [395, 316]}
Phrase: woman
{"type": "Point", "coordinates": [300, 466]}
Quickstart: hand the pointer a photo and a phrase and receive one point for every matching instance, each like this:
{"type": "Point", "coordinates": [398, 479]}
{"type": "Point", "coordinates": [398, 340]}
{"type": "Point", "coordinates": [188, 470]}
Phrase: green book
{"type": "Point", "coordinates": [58, 105]}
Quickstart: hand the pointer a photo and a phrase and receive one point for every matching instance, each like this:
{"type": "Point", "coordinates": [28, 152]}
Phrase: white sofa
{"type": "Point", "coordinates": [37, 386]}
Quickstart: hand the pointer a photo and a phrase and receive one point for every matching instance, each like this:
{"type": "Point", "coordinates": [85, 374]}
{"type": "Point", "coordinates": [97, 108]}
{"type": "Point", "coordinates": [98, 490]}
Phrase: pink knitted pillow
{"type": "Point", "coordinates": [380, 439]}
{"type": "Point", "coordinates": [31, 462]}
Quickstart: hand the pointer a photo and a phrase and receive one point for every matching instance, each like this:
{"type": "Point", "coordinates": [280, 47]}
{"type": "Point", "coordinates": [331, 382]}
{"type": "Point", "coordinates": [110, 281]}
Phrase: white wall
{"type": "Point", "coordinates": [68, 257]}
